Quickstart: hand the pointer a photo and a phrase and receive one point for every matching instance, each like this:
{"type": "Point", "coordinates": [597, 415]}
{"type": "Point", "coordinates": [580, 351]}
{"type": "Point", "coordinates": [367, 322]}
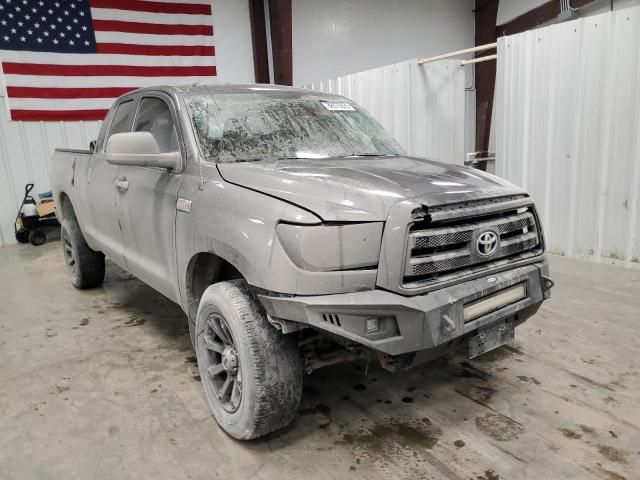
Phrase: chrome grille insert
{"type": "Point", "coordinates": [443, 248]}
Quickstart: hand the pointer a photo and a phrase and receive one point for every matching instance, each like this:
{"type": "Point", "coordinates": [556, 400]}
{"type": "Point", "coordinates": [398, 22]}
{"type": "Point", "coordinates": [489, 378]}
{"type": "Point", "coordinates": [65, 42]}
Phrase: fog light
{"type": "Point", "coordinates": [373, 325]}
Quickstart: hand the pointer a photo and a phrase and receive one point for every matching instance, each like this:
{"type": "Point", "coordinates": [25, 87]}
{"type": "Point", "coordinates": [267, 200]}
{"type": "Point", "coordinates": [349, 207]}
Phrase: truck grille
{"type": "Point", "coordinates": [442, 249]}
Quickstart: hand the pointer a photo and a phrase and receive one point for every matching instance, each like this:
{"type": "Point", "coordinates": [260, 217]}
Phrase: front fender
{"type": "Point", "coordinates": [239, 226]}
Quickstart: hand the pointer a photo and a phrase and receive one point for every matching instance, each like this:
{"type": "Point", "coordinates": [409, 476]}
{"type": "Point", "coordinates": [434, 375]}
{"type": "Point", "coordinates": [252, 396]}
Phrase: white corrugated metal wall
{"type": "Point", "coordinates": [422, 106]}
{"type": "Point", "coordinates": [25, 148]}
{"type": "Point", "coordinates": [568, 130]}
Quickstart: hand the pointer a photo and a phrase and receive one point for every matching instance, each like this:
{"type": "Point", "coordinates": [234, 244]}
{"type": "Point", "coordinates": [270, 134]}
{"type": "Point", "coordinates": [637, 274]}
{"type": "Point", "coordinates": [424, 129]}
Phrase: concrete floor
{"type": "Point", "coordinates": [103, 384]}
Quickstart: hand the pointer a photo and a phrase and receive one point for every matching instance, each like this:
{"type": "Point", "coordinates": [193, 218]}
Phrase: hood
{"type": "Point", "coordinates": [364, 188]}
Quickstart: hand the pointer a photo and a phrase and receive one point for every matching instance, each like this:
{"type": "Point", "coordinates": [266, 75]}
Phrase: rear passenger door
{"type": "Point", "coordinates": [147, 207]}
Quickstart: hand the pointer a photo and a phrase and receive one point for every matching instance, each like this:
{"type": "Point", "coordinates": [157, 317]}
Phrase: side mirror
{"type": "Point", "coordinates": [139, 149]}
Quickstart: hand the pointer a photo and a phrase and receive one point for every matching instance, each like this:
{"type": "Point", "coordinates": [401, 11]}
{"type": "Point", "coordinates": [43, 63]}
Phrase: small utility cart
{"type": "Point", "coordinates": [33, 219]}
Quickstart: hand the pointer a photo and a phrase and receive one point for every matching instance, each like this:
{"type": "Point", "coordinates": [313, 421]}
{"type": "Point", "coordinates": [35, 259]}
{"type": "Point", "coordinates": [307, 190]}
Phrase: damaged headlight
{"type": "Point", "coordinates": [327, 247]}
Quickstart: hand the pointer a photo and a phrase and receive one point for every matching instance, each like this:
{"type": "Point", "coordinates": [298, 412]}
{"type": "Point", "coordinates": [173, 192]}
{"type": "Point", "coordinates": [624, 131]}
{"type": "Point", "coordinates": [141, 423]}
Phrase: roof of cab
{"type": "Point", "coordinates": [222, 88]}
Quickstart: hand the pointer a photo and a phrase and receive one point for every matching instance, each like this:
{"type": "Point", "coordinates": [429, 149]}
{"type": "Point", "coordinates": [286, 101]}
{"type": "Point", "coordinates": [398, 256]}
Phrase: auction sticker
{"type": "Point", "coordinates": [338, 106]}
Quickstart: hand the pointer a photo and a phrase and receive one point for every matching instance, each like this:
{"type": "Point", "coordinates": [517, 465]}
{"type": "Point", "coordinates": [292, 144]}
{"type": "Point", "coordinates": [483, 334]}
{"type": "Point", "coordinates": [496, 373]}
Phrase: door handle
{"type": "Point", "coordinates": [121, 184]}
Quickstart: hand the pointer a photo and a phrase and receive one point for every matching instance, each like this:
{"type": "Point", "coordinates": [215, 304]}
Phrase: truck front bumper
{"type": "Point", "coordinates": [395, 324]}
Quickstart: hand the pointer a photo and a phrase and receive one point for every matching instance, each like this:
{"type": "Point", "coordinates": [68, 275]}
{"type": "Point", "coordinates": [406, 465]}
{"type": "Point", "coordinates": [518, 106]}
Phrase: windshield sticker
{"type": "Point", "coordinates": [338, 106]}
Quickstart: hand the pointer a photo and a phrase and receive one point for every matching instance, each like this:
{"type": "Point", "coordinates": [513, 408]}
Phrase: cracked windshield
{"type": "Point", "coordinates": [269, 124]}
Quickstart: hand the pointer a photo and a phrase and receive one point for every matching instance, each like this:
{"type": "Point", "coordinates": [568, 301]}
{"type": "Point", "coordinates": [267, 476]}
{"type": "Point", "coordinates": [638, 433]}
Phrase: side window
{"type": "Point", "coordinates": [121, 119]}
{"type": "Point", "coordinates": [155, 117]}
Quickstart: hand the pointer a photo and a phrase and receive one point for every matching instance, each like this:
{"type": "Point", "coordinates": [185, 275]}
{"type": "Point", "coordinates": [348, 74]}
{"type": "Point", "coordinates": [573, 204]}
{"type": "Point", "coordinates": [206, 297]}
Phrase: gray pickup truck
{"type": "Point", "coordinates": [295, 233]}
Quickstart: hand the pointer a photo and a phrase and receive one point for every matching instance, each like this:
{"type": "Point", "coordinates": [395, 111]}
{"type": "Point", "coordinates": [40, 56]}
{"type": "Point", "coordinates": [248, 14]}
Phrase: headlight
{"type": "Point", "coordinates": [332, 247]}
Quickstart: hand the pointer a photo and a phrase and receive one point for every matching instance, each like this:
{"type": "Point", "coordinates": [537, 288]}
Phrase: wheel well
{"type": "Point", "coordinates": [66, 208]}
{"type": "Point", "coordinates": [206, 269]}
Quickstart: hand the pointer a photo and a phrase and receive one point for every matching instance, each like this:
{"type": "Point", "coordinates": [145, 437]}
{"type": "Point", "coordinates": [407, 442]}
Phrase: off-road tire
{"type": "Point", "coordinates": [269, 363]}
{"type": "Point", "coordinates": [86, 266]}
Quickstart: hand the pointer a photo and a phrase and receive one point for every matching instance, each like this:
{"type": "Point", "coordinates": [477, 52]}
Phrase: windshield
{"type": "Point", "coordinates": [276, 124]}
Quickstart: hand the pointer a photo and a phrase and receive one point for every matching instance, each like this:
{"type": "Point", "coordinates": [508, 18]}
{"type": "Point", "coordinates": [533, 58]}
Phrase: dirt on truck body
{"type": "Point", "coordinates": [296, 233]}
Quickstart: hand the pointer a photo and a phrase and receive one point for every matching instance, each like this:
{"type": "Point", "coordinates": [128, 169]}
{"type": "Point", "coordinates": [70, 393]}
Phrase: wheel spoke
{"type": "Point", "coordinates": [214, 370]}
{"type": "Point", "coordinates": [236, 393]}
{"type": "Point", "coordinates": [215, 326]}
{"type": "Point", "coordinates": [213, 345]}
{"type": "Point", "coordinates": [224, 390]}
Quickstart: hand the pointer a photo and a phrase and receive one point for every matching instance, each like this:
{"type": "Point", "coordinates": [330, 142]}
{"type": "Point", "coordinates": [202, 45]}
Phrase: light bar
{"type": "Point", "coordinates": [494, 302]}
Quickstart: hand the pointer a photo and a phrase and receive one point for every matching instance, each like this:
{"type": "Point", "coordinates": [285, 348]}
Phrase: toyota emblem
{"type": "Point", "coordinates": [487, 243]}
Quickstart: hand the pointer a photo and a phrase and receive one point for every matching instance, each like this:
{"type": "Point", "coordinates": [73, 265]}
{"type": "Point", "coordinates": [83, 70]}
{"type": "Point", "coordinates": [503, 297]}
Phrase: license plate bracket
{"type": "Point", "coordinates": [491, 337]}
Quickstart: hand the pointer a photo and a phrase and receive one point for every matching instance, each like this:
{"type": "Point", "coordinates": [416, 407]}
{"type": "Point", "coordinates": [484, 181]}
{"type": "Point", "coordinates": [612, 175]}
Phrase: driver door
{"type": "Point", "coordinates": [146, 201]}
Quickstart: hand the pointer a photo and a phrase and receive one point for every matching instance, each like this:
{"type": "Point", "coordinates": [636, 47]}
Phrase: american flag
{"type": "Point", "coordinates": [70, 59]}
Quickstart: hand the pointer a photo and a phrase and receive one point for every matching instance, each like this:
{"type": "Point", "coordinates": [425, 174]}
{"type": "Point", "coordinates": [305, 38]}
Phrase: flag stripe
{"type": "Point", "coordinates": [154, 18]}
{"type": "Point", "coordinates": [58, 104]}
{"type": "Point", "coordinates": [150, 28]}
{"type": "Point", "coordinates": [106, 59]}
{"type": "Point", "coordinates": [38, 92]}
{"type": "Point", "coordinates": [150, 39]}
{"type": "Point", "coordinates": [164, 50]}
{"type": "Point", "coordinates": [57, 115]}
{"type": "Point", "coordinates": [199, 2]}
{"type": "Point", "coordinates": [153, 7]}
{"type": "Point", "coordinates": [97, 82]}
{"type": "Point", "coordinates": [104, 70]}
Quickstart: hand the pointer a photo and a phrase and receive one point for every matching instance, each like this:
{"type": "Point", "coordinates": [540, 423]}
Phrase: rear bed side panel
{"type": "Point", "coordinates": [68, 178]}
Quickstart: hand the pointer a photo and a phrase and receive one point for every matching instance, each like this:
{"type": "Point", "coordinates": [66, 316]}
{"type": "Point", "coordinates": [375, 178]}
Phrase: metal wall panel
{"type": "Point", "coordinates": [422, 106]}
{"type": "Point", "coordinates": [568, 130]}
{"type": "Point", "coordinates": [25, 151]}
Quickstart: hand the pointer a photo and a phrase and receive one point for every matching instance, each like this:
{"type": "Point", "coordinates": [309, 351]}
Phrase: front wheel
{"type": "Point", "coordinates": [251, 372]}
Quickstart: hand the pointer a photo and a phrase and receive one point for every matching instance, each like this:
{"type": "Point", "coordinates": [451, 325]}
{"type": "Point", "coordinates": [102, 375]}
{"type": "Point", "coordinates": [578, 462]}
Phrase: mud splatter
{"type": "Point", "coordinates": [570, 434]}
{"type": "Point", "coordinates": [459, 443]}
{"type": "Point", "coordinates": [481, 394]}
{"type": "Point", "coordinates": [524, 378]}
{"type": "Point", "coordinates": [588, 430]}
{"type": "Point", "coordinates": [359, 387]}
{"type": "Point", "coordinates": [605, 474]}
{"type": "Point", "coordinates": [613, 454]}
{"type": "Point", "coordinates": [384, 438]}
{"type": "Point", "coordinates": [407, 399]}
{"type": "Point", "coordinates": [499, 427]}
{"type": "Point", "coordinates": [84, 322]}
{"type": "Point", "coordinates": [489, 475]}
{"type": "Point", "coordinates": [191, 359]}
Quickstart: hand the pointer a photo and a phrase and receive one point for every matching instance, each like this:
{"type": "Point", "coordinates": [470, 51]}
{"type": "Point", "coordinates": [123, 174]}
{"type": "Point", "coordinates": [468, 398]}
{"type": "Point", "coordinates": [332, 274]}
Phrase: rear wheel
{"type": "Point", "coordinates": [251, 372]}
{"type": "Point", "coordinates": [85, 265]}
